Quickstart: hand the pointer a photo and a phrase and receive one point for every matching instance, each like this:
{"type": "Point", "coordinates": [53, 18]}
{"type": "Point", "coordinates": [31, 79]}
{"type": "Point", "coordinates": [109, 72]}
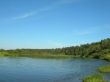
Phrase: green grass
{"type": "Point", "coordinates": [104, 69]}
{"type": "Point", "coordinates": [57, 56]}
{"type": "Point", "coordinates": [51, 56]}
{"type": "Point", "coordinates": [94, 78]}
{"type": "Point", "coordinates": [106, 57]}
{"type": "Point", "coordinates": [2, 54]}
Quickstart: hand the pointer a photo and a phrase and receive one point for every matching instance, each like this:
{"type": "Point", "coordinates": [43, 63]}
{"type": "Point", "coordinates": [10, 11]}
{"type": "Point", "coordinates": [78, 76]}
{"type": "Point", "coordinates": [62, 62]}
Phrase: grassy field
{"type": "Point", "coordinates": [51, 56]}
{"type": "Point", "coordinates": [58, 56]}
{"type": "Point", "coordinates": [104, 69]}
{"type": "Point", "coordinates": [98, 77]}
{"type": "Point", "coordinates": [94, 78]}
{"type": "Point", "coordinates": [107, 57]}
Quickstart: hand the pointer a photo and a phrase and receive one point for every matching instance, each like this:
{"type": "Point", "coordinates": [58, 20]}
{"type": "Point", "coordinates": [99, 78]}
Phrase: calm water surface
{"type": "Point", "coordinates": [23, 69]}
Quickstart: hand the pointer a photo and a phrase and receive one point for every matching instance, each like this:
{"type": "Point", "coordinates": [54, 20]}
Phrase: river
{"type": "Point", "coordinates": [23, 69]}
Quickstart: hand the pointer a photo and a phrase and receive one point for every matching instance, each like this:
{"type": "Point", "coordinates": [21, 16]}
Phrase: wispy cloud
{"type": "Point", "coordinates": [31, 14]}
{"type": "Point", "coordinates": [50, 7]}
{"type": "Point", "coordinates": [26, 15]}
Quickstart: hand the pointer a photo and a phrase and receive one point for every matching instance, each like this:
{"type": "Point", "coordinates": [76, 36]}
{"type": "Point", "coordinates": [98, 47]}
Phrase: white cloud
{"type": "Point", "coordinates": [50, 7]}
{"type": "Point", "coordinates": [30, 14]}
{"type": "Point", "coordinates": [26, 15]}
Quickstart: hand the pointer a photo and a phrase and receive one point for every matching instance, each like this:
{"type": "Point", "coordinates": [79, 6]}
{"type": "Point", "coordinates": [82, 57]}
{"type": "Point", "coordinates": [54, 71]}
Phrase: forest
{"type": "Point", "coordinates": [99, 50]}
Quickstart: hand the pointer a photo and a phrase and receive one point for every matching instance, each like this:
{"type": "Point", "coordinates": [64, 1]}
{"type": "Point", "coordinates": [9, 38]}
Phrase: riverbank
{"type": "Point", "coordinates": [97, 50]}
{"type": "Point", "coordinates": [104, 69]}
{"type": "Point", "coordinates": [94, 78]}
{"type": "Point", "coordinates": [98, 77]}
{"type": "Point", "coordinates": [58, 56]}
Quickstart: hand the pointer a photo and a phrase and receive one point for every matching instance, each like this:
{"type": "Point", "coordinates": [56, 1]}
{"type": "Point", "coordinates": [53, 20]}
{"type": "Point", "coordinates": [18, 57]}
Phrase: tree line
{"type": "Point", "coordinates": [94, 50]}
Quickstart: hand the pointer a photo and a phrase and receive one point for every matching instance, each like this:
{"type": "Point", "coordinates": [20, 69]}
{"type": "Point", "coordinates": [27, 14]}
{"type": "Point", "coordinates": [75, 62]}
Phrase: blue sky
{"type": "Point", "coordinates": [53, 23]}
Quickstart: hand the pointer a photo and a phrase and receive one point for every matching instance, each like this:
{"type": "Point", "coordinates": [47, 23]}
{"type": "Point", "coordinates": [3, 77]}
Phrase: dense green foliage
{"type": "Point", "coordinates": [104, 69]}
{"type": "Point", "coordinates": [94, 50]}
{"type": "Point", "coordinates": [106, 56]}
{"type": "Point", "coordinates": [94, 78]}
